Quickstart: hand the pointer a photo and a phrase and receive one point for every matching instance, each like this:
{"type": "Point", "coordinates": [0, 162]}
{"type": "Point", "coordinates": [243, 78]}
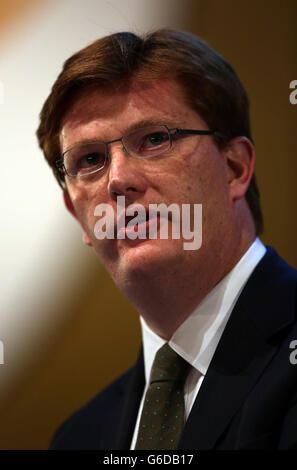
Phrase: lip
{"type": "Point", "coordinates": [124, 216]}
{"type": "Point", "coordinates": [142, 228]}
{"type": "Point", "coordinates": [152, 223]}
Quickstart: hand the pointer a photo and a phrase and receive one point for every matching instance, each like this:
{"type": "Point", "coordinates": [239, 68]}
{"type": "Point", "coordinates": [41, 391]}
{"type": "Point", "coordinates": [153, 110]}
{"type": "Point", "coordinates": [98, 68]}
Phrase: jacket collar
{"type": "Point", "coordinates": [132, 396]}
{"type": "Point", "coordinates": [243, 351]}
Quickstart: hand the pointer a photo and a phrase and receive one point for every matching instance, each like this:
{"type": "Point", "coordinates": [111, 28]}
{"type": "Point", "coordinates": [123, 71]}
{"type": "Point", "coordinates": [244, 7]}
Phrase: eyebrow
{"type": "Point", "coordinates": [150, 122]}
{"type": "Point", "coordinates": [133, 127]}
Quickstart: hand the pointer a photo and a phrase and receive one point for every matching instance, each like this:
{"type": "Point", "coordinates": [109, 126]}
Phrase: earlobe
{"type": "Point", "coordinates": [86, 239]}
{"type": "Point", "coordinates": [240, 161]}
{"type": "Point", "coordinates": [69, 206]}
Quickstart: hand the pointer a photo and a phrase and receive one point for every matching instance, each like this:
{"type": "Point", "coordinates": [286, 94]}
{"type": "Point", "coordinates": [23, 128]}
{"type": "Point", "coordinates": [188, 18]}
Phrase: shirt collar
{"type": "Point", "coordinates": [197, 337]}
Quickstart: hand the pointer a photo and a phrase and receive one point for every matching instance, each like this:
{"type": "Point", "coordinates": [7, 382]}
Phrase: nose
{"type": "Point", "coordinates": [125, 175]}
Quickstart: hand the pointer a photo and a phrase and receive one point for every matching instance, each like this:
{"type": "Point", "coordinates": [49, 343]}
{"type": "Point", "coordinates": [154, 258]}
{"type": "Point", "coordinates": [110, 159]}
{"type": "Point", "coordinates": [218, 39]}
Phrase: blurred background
{"type": "Point", "coordinates": [60, 315]}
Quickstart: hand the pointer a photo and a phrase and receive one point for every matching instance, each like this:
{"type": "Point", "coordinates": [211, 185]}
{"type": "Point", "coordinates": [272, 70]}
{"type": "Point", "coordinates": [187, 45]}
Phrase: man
{"type": "Point", "coordinates": [164, 119]}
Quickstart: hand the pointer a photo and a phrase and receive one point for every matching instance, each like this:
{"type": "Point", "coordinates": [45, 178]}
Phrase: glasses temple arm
{"type": "Point", "coordinates": [197, 132]}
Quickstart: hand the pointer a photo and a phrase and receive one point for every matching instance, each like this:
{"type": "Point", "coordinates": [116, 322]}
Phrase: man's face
{"type": "Point", "coordinates": [194, 171]}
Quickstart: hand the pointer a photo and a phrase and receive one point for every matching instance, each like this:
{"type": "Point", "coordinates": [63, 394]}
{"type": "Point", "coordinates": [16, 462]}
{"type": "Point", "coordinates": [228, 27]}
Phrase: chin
{"type": "Point", "coordinates": [148, 257]}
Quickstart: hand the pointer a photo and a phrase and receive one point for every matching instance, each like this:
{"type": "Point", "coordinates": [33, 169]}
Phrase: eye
{"type": "Point", "coordinates": [90, 160]}
{"type": "Point", "coordinates": [154, 139]}
{"type": "Point", "coordinates": [84, 159]}
{"type": "Point", "coordinates": [148, 143]}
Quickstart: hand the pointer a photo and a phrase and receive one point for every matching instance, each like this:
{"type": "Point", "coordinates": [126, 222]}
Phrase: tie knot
{"type": "Point", "coordinates": [168, 365]}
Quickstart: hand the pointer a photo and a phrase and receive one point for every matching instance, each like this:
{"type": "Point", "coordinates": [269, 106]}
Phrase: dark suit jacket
{"type": "Point", "coordinates": [248, 399]}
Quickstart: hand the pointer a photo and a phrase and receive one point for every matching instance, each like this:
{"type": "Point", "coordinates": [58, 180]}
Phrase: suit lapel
{"type": "Point", "coordinates": [243, 352]}
{"type": "Point", "coordinates": [131, 400]}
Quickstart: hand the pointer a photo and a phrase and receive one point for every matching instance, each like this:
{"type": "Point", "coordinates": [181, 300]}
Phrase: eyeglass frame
{"type": "Point", "coordinates": [59, 163]}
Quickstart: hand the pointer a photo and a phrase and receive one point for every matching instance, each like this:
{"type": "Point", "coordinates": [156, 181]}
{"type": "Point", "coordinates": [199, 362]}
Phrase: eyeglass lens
{"type": "Point", "coordinates": [142, 143]}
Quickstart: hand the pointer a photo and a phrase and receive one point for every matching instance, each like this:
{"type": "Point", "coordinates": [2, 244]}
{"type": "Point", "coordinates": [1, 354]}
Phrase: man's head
{"type": "Point", "coordinates": [209, 84]}
{"type": "Point", "coordinates": [171, 78]}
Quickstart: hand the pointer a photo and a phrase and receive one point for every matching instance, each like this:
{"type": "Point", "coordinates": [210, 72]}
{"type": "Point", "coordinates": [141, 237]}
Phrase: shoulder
{"type": "Point", "coordinates": [274, 272]}
{"type": "Point", "coordinates": [270, 293]}
{"type": "Point", "coordinates": [84, 429]}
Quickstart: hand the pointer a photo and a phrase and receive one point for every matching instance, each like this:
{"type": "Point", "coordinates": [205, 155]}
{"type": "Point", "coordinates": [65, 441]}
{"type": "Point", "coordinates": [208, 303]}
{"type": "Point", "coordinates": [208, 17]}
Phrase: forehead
{"type": "Point", "coordinates": [105, 114]}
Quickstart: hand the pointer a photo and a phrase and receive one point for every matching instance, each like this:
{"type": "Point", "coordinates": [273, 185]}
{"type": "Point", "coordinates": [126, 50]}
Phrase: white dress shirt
{"type": "Point", "coordinates": [197, 337]}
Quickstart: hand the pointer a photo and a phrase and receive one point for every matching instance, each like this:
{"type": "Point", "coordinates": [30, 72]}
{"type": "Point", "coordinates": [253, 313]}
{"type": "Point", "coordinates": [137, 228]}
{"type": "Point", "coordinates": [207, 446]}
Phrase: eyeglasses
{"type": "Point", "coordinates": [146, 142]}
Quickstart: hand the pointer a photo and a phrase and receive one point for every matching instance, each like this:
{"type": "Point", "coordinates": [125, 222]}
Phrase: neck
{"type": "Point", "coordinates": [168, 298]}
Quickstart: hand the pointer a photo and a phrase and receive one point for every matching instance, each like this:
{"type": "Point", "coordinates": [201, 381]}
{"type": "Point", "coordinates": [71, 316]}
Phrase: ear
{"type": "Point", "coordinates": [70, 207]}
{"type": "Point", "coordinates": [240, 162]}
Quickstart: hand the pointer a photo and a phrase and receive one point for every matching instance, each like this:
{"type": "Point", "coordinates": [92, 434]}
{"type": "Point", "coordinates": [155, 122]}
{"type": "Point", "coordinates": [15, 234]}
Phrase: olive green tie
{"type": "Point", "coordinates": [162, 418]}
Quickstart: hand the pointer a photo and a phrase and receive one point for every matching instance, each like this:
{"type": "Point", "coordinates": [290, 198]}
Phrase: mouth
{"type": "Point", "coordinates": [137, 220]}
{"type": "Point", "coordinates": [139, 225]}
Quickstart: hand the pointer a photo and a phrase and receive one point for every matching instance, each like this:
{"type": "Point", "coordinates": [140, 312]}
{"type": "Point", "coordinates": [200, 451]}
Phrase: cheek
{"type": "Point", "coordinates": [191, 180]}
{"type": "Point", "coordinates": [210, 175]}
{"type": "Point", "coordinates": [84, 200]}
{"type": "Point", "coordinates": [205, 182]}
